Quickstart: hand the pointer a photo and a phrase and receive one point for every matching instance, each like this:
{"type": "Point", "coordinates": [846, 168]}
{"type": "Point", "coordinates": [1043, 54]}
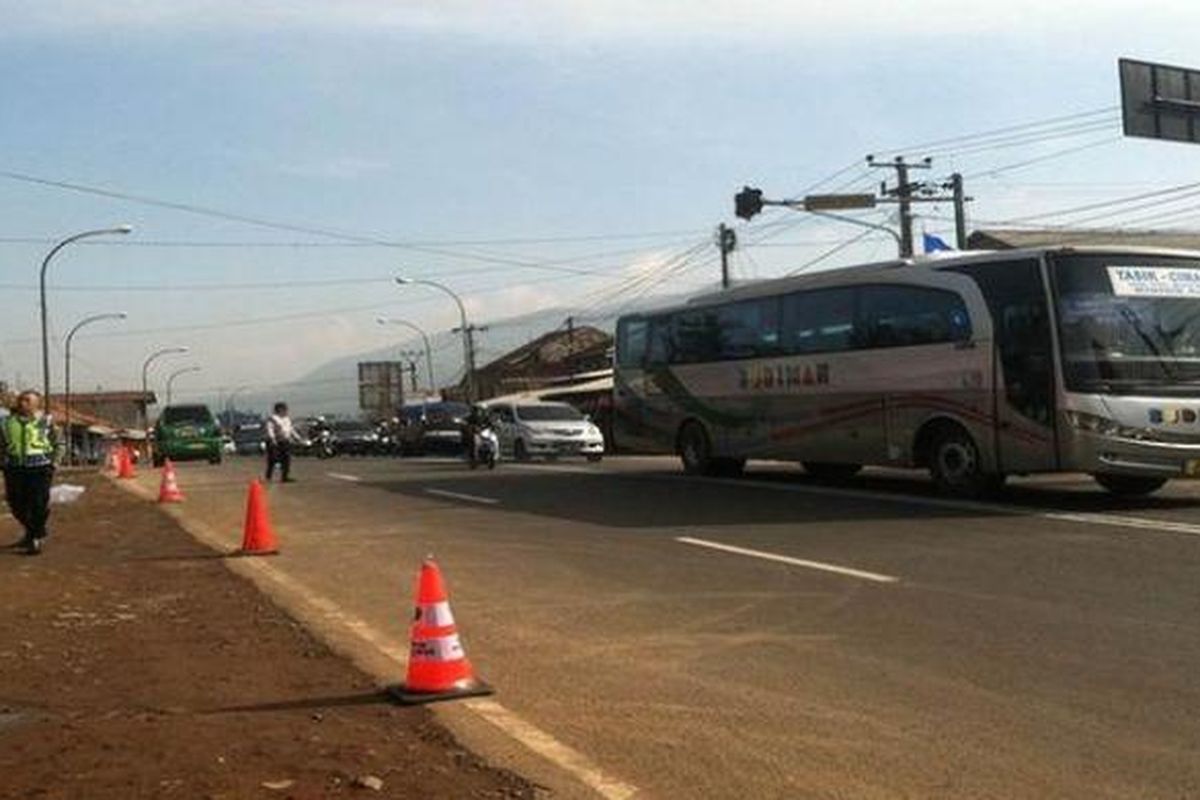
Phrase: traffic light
{"type": "Point", "coordinates": [747, 202]}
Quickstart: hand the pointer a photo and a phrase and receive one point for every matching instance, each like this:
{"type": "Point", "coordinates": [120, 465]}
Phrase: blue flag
{"type": "Point", "coordinates": [934, 244]}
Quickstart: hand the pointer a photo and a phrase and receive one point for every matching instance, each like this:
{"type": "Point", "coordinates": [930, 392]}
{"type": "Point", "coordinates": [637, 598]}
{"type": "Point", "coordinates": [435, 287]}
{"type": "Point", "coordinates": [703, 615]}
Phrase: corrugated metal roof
{"type": "Point", "coordinates": [1017, 238]}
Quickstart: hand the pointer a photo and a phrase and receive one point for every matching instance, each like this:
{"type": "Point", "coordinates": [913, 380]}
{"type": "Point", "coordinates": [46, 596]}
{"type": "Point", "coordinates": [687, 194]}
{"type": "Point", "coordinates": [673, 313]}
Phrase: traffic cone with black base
{"type": "Point", "coordinates": [258, 537]}
{"type": "Point", "coordinates": [438, 668]}
{"type": "Point", "coordinates": [168, 490]}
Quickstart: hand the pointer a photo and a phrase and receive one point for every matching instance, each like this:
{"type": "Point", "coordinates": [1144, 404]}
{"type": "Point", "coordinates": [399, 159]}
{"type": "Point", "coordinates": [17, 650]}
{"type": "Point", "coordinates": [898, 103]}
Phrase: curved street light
{"type": "Point", "coordinates": [424, 338]}
{"type": "Point", "coordinates": [468, 347]}
{"type": "Point", "coordinates": [230, 408]}
{"type": "Point", "coordinates": [166, 351]}
{"type": "Point", "coordinates": [174, 375]}
{"type": "Point", "coordinates": [117, 229]}
{"type": "Point", "coordinates": [67, 375]}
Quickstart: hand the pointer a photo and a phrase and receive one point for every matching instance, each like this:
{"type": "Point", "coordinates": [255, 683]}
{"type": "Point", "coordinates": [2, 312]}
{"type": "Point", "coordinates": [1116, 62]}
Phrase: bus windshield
{"type": "Point", "coordinates": [1129, 324]}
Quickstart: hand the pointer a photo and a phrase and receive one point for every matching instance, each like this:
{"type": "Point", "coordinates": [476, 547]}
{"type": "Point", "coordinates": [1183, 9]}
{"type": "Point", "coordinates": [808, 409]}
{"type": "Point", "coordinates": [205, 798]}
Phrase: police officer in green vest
{"type": "Point", "coordinates": [28, 440]}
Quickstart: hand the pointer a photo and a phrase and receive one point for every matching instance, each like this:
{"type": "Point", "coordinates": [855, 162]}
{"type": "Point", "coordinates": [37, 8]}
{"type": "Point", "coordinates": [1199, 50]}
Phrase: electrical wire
{"type": "Point", "coordinates": [1008, 129]}
{"type": "Point", "coordinates": [1184, 187]}
{"type": "Point", "coordinates": [1043, 158]}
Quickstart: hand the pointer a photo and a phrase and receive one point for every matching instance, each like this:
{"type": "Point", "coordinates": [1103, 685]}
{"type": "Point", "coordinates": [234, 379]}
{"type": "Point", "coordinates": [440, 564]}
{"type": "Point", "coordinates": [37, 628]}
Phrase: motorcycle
{"type": "Point", "coordinates": [487, 448]}
{"type": "Point", "coordinates": [322, 444]}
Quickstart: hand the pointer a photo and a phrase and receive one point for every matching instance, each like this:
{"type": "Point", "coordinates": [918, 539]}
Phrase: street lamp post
{"type": "Point", "coordinates": [121, 229]}
{"type": "Point", "coordinates": [230, 408]}
{"type": "Point", "coordinates": [424, 338]}
{"type": "Point", "coordinates": [468, 347]}
{"type": "Point", "coordinates": [67, 376]}
{"type": "Point", "coordinates": [166, 351]}
{"type": "Point", "coordinates": [174, 375]}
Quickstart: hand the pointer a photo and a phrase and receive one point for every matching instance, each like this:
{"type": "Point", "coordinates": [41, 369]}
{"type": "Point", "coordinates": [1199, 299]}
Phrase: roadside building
{"type": "Point", "coordinates": [1014, 238]}
{"type": "Point", "coordinates": [121, 409]}
{"type": "Point", "coordinates": [549, 359]}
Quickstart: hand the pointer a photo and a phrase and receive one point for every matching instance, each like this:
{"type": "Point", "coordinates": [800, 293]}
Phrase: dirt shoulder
{"type": "Point", "coordinates": [133, 664]}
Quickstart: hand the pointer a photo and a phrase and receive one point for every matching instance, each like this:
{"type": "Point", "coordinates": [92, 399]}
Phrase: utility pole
{"type": "Point", "coordinates": [468, 333]}
{"type": "Point", "coordinates": [955, 185]}
{"type": "Point", "coordinates": [903, 194]}
{"type": "Point", "coordinates": [726, 243]}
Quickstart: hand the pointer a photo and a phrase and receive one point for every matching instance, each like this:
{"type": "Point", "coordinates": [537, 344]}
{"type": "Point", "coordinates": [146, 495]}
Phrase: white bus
{"type": "Point", "coordinates": [975, 367]}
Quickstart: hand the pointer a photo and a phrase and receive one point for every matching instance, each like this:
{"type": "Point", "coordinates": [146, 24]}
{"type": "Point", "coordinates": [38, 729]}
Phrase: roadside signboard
{"type": "Point", "coordinates": [838, 202]}
{"type": "Point", "coordinates": [380, 387]}
{"type": "Point", "coordinates": [1160, 101]}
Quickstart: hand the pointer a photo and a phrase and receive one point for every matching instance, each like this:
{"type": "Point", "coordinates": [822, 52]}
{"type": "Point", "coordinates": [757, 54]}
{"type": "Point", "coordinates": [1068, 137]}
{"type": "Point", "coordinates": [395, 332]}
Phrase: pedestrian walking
{"type": "Point", "coordinates": [281, 433]}
{"type": "Point", "coordinates": [29, 444]}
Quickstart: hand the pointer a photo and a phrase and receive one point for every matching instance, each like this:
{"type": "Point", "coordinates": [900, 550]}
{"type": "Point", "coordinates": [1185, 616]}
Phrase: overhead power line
{"type": "Point", "coordinates": [1029, 162]}
{"type": "Point", "coordinates": [1008, 129]}
{"type": "Point", "coordinates": [1026, 139]}
{"type": "Point", "coordinates": [262, 222]}
{"type": "Point", "coordinates": [1105, 204]}
{"type": "Point", "coordinates": [238, 244]}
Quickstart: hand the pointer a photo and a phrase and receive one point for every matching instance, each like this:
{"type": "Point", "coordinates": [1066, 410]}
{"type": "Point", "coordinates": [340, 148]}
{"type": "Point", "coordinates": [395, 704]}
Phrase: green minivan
{"type": "Point", "coordinates": [187, 433]}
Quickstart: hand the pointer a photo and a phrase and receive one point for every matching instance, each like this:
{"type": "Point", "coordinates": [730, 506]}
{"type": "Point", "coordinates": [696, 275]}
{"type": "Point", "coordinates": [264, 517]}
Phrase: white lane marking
{"type": "Point", "coordinates": [539, 741]}
{"type": "Point", "coordinates": [1142, 523]}
{"type": "Point", "coordinates": [1110, 520]}
{"type": "Point", "coordinates": [471, 498]}
{"type": "Point", "coordinates": [795, 562]}
{"type": "Point", "coordinates": [331, 614]}
{"type": "Point", "coordinates": [342, 476]}
{"type": "Point", "coordinates": [562, 468]}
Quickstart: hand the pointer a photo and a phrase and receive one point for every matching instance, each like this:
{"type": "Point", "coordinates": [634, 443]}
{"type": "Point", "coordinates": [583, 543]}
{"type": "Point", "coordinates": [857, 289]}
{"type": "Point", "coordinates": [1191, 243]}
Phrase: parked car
{"type": "Point", "coordinates": [354, 438]}
{"type": "Point", "coordinates": [432, 428]}
{"type": "Point", "coordinates": [250, 439]}
{"type": "Point", "coordinates": [530, 429]}
{"type": "Point", "coordinates": [187, 433]}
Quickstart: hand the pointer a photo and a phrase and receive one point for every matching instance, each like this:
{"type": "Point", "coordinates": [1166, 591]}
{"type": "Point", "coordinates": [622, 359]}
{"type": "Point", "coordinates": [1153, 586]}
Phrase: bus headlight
{"type": "Point", "coordinates": [1093, 423]}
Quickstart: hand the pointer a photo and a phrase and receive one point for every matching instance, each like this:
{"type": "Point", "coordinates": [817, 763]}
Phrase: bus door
{"type": "Point", "coordinates": [1015, 293]}
{"type": "Point", "coordinates": [639, 404]}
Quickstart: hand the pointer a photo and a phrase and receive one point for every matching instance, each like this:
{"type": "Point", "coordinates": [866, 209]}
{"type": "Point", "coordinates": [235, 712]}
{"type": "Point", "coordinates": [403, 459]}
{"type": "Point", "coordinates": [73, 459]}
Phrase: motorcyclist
{"type": "Point", "coordinates": [320, 437]}
{"type": "Point", "coordinates": [476, 421]}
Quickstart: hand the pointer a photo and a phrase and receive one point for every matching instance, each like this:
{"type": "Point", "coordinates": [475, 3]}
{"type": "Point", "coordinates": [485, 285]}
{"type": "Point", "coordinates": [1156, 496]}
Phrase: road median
{"type": "Point", "coordinates": [136, 665]}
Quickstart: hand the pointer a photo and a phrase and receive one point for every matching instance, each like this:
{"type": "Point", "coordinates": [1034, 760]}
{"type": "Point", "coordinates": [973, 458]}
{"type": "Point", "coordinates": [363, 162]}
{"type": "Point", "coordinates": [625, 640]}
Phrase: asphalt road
{"type": "Point", "coordinates": [776, 637]}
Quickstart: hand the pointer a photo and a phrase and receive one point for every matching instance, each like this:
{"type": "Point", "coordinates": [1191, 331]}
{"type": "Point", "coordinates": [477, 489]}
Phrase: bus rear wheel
{"type": "Point", "coordinates": [955, 466]}
{"type": "Point", "coordinates": [1129, 485]}
{"type": "Point", "coordinates": [825, 470]}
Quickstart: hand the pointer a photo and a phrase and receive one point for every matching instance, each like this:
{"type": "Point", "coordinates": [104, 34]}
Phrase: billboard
{"type": "Point", "coordinates": [1160, 101]}
{"type": "Point", "coordinates": [380, 387]}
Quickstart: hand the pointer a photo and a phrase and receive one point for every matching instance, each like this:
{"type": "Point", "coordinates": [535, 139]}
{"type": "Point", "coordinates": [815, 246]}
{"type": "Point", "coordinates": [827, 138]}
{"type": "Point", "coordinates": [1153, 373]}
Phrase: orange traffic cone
{"type": "Point", "coordinates": [437, 664]}
{"type": "Point", "coordinates": [168, 491]}
{"type": "Point", "coordinates": [125, 470]}
{"type": "Point", "coordinates": [258, 538]}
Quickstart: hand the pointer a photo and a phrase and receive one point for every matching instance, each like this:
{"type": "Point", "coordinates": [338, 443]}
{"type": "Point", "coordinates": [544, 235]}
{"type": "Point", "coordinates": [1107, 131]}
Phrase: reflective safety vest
{"type": "Point", "coordinates": [28, 442]}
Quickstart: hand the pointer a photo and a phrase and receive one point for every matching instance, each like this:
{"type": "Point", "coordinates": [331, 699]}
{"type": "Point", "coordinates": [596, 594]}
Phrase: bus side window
{"type": "Point", "coordinates": [821, 321]}
{"type": "Point", "coordinates": [658, 342]}
{"type": "Point", "coordinates": [749, 329]}
{"type": "Point", "coordinates": [904, 316]}
{"type": "Point", "coordinates": [631, 343]}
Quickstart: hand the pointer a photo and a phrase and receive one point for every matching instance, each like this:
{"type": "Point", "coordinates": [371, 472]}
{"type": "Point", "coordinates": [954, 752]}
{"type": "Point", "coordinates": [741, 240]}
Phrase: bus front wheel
{"type": "Point", "coordinates": [695, 450]}
{"type": "Point", "coordinates": [1129, 485]}
{"type": "Point", "coordinates": [955, 466]}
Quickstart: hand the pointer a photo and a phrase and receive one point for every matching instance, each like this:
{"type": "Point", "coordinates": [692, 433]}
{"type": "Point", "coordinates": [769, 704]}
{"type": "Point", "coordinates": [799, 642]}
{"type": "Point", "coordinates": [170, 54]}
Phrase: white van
{"type": "Point", "coordinates": [534, 428]}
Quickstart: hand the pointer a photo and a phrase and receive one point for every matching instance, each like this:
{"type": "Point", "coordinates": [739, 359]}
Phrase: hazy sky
{"type": "Point", "coordinates": [445, 128]}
